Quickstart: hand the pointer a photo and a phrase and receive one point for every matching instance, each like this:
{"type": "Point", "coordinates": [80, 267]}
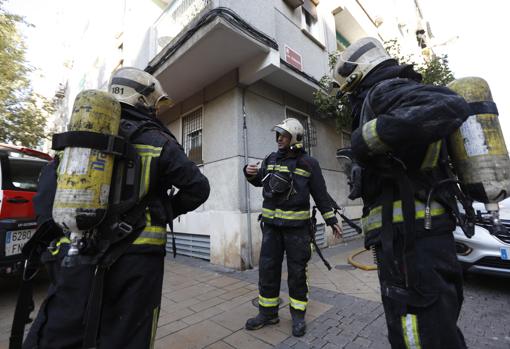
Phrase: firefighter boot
{"type": "Point", "coordinates": [298, 322]}
{"type": "Point", "coordinates": [266, 316]}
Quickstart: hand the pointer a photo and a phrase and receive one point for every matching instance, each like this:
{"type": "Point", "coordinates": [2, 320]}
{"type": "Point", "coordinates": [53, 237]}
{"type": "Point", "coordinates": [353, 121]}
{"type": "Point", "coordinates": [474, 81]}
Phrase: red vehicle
{"type": "Point", "coordinates": [19, 173]}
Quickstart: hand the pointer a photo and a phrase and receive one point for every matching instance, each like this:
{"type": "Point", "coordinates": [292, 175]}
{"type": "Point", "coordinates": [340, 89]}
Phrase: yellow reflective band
{"type": "Point", "coordinates": [151, 234]}
{"type": "Point", "coordinates": [154, 327]}
{"type": "Point", "coordinates": [145, 180]}
{"type": "Point", "coordinates": [329, 214]}
{"type": "Point", "coordinates": [145, 148]}
{"type": "Point", "coordinates": [268, 302]}
{"type": "Point", "coordinates": [149, 241]}
{"type": "Point", "coordinates": [278, 168]}
{"type": "Point", "coordinates": [410, 331]}
{"type": "Point", "coordinates": [374, 218]}
{"type": "Point", "coordinates": [371, 138]}
{"type": "Point", "coordinates": [63, 240]}
{"type": "Point", "coordinates": [290, 215]}
{"type": "Point", "coordinates": [146, 152]}
{"type": "Point", "coordinates": [432, 155]}
{"type": "Point", "coordinates": [298, 305]}
{"type": "Point", "coordinates": [285, 169]}
{"type": "Point", "coordinates": [155, 229]}
{"type": "Point", "coordinates": [301, 172]}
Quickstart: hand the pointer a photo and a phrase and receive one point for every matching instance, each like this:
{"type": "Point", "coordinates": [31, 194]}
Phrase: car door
{"type": "Point", "coordinates": [18, 182]}
{"type": "Point", "coordinates": [19, 174]}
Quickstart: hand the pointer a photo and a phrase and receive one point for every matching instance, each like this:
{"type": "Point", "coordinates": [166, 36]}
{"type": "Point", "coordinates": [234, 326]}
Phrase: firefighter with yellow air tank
{"type": "Point", "coordinates": [105, 208]}
{"type": "Point", "coordinates": [404, 133]}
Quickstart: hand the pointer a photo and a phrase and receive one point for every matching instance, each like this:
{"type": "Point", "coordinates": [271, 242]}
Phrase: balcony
{"type": "Point", "coordinates": [174, 19]}
{"type": "Point", "coordinates": [196, 42]}
{"type": "Point", "coordinates": [199, 43]}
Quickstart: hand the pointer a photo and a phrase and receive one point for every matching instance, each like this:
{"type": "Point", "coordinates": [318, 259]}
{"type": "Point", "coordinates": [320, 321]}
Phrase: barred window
{"type": "Point", "coordinates": [310, 136]}
{"type": "Point", "coordinates": [192, 135]}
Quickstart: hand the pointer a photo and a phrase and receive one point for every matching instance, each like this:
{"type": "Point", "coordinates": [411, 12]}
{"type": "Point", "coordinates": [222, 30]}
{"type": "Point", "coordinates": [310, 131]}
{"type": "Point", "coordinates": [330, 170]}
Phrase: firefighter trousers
{"type": "Point", "coordinates": [295, 242]}
{"type": "Point", "coordinates": [428, 318]}
{"type": "Point", "coordinates": [130, 304]}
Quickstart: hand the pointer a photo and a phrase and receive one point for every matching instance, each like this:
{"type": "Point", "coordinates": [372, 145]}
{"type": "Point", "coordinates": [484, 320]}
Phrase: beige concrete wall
{"type": "Point", "coordinates": [224, 216]}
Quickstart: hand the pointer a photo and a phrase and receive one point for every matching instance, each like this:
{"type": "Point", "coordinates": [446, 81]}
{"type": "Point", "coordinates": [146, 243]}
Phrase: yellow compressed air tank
{"type": "Point", "coordinates": [85, 174]}
{"type": "Point", "coordinates": [478, 149]}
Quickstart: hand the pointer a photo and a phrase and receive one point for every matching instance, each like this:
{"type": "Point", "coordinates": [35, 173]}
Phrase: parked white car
{"type": "Point", "coordinates": [485, 252]}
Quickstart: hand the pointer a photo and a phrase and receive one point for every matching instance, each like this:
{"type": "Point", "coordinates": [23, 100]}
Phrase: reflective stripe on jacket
{"type": "Point", "coordinates": [307, 179]}
{"type": "Point", "coordinates": [373, 220]}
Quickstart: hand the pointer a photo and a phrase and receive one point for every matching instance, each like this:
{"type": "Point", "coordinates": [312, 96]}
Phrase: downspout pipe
{"type": "Point", "coordinates": [247, 185]}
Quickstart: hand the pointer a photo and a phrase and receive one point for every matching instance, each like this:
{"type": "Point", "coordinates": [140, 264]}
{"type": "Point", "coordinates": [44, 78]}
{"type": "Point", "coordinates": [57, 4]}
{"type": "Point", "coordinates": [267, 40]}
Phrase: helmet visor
{"type": "Point", "coordinates": [281, 131]}
{"type": "Point", "coordinates": [164, 102]}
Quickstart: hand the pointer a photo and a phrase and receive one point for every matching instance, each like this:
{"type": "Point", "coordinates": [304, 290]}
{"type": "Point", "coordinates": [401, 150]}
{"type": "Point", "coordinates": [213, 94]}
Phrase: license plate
{"type": "Point", "coordinates": [505, 253]}
{"type": "Point", "coordinates": [15, 240]}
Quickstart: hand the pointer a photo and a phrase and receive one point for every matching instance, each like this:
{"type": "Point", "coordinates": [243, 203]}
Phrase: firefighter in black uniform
{"type": "Point", "coordinates": [288, 177]}
{"type": "Point", "coordinates": [409, 208]}
{"type": "Point", "coordinates": [132, 285]}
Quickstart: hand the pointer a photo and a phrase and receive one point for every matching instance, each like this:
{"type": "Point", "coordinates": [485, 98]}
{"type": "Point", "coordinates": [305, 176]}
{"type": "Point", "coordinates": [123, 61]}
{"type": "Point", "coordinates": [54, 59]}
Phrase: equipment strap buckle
{"type": "Point", "coordinates": [125, 227]}
{"type": "Point", "coordinates": [115, 146]}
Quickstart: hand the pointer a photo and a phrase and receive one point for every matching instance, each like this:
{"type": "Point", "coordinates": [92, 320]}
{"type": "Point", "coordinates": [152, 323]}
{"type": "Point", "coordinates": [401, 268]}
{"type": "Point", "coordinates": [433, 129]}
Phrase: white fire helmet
{"type": "Point", "coordinates": [293, 128]}
{"type": "Point", "coordinates": [136, 87]}
{"type": "Point", "coordinates": [357, 61]}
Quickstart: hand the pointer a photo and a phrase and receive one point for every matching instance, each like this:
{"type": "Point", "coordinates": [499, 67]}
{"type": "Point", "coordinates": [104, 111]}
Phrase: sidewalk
{"type": "Point", "coordinates": [206, 306]}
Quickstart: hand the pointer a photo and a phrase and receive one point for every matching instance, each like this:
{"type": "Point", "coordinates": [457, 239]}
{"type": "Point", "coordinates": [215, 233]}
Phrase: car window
{"type": "Point", "coordinates": [20, 172]}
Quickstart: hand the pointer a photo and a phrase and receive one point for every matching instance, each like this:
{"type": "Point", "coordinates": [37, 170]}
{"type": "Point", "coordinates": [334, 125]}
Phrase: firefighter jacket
{"type": "Point", "coordinates": [291, 209]}
{"type": "Point", "coordinates": [401, 123]}
{"type": "Point", "coordinates": [164, 165]}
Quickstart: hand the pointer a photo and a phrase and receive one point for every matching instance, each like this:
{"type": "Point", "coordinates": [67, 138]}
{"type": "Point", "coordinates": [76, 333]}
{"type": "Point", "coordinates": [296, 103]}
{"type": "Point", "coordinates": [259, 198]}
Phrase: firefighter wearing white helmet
{"type": "Point", "coordinates": [400, 127]}
{"type": "Point", "coordinates": [288, 177]}
{"type": "Point", "coordinates": [293, 128]}
{"type": "Point", "coordinates": [138, 88]}
{"type": "Point", "coordinates": [132, 269]}
{"type": "Point", "coordinates": [356, 62]}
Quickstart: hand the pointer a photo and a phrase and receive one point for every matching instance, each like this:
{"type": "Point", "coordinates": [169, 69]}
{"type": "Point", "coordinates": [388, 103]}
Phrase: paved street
{"type": "Point", "coordinates": [205, 306]}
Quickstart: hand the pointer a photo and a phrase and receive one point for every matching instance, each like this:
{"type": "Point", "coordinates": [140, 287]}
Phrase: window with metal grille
{"type": "Point", "coordinates": [310, 136]}
{"type": "Point", "coordinates": [192, 135]}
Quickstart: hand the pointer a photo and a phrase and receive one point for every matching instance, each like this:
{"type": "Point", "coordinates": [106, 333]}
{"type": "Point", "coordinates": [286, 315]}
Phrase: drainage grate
{"type": "Point", "coordinates": [191, 245]}
{"type": "Point", "coordinates": [320, 235]}
{"type": "Point", "coordinates": [348, 233]}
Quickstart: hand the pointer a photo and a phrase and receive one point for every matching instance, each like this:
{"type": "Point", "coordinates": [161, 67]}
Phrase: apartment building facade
{"type": "Point", "coordinates": [235, 68]}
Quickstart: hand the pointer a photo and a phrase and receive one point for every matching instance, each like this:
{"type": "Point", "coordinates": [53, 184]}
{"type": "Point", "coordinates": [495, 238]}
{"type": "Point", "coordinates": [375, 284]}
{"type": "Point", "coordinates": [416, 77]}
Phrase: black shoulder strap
{"type": "Point", "coordinates": [294, 163]}
{"type": "Point", "coordinates": [123, 232]}
{"type": "Point", "coordinates": [46, 231]}
{"type": "Point", "coordinates": [313, 231]}
{"type": "Point", "coordinates": [93, 311]}
{"type": "Point", "coordinates": [85, 139]}
{"type": "Point", "coordinates": [32, 250]}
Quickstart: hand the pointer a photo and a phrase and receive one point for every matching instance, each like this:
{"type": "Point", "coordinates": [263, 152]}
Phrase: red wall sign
{"type": "Point", "coordinates": [293, 58]}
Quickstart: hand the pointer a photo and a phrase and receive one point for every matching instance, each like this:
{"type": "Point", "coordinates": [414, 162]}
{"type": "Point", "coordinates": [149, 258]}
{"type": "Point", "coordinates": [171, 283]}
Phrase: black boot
{"type": "Point", "coordinates": [266, 316]}
{"type": "Point", "coordinates": [298, 322]}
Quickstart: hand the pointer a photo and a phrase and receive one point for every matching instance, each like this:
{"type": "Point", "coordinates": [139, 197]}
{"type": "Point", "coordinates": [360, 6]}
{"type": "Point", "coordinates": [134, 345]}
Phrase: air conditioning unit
{"type": "Point", "coordinates": [294, 3]}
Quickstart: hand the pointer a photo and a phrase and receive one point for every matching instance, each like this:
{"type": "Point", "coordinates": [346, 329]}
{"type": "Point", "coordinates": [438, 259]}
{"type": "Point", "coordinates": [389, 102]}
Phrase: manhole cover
{"type": "Point", "coordinates": [344, 267]}
{"type": "Point", "coordinates": [255, 303]}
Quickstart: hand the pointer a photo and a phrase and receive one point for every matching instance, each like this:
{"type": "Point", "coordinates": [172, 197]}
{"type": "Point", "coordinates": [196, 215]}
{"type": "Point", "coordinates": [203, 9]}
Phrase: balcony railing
{"type": "Point", "coordinates": [171, 22]}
